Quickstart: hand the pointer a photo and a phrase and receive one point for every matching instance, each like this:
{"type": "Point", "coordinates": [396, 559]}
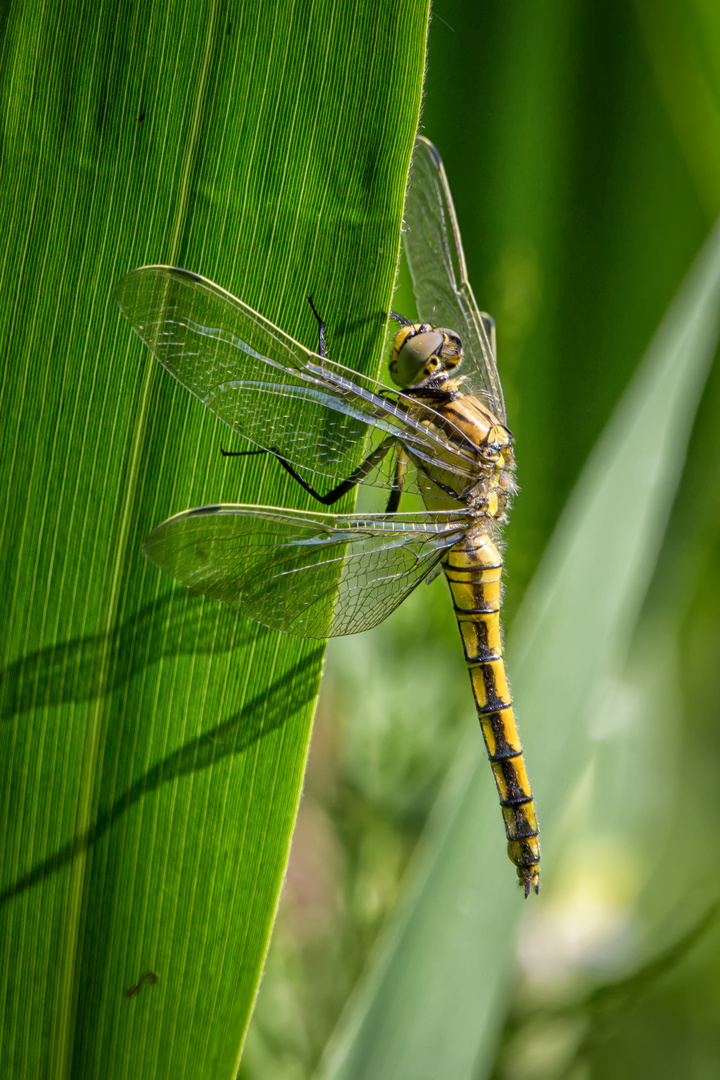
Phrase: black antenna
{"type": "Point", "coordinates": [400, 318]}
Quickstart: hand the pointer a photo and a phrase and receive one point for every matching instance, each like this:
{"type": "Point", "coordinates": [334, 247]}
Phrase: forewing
{"type": "Point", "coordinates": [437, 264]}
{"type": "Point", "coordinates": [263, 384]}
{"type": "Point", "coordinates": [314, 575]}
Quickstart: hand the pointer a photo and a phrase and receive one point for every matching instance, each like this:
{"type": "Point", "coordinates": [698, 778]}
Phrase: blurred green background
{"type": "Point", "coordinates": [582, 145]}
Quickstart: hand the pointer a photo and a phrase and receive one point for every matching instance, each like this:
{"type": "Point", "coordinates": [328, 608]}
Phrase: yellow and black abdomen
{"type": "Point", "coordinates": [473, 569]}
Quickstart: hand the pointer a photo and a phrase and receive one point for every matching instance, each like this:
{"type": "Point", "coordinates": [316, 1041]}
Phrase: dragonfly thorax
{"type": "Point", "coordinates": [422, 352]}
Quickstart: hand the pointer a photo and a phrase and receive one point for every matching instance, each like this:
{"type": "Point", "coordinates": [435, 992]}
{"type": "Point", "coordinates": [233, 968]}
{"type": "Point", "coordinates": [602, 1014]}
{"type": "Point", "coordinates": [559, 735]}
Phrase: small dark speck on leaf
{"type": "Point", "coordinates": [141, 117]}
{"type": "Point", "coordinates": [149, 977]}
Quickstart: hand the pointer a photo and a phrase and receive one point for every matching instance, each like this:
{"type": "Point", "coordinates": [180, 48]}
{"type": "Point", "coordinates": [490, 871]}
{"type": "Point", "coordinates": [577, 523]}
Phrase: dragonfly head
{"type": "Point", "coordinates": [421, 352]}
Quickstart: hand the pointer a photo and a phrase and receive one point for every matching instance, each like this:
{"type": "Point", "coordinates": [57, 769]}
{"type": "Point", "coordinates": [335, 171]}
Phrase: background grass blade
{"type": "Point", "coordinates": [432, 1004]}
{"type": "Point", "coordinates": [153, 745]}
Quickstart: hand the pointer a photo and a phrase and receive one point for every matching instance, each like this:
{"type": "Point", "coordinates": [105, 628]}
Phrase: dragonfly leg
{"type": "Point", "coordinates": [344, 486]}
{"type": "Point", "coordinates": [321, 337]}
{"type": "Point", "coordinates": [240, 453]}
{"type": "Point", "coordinates": [398, 481]}
{"type": "Point", "coordinates": [447, 489]}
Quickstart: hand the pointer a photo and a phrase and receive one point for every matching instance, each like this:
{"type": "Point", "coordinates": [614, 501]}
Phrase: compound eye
{"type": "Point", "coordinates": [413, 357]}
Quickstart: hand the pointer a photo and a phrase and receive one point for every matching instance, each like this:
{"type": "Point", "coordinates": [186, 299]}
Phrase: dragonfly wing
{"type": "Point", "coordinates": [262, 383]}
{"type": "Point", "coordinates": [314, 575]}
{"type": "Point", "coordinates": [437, 264]}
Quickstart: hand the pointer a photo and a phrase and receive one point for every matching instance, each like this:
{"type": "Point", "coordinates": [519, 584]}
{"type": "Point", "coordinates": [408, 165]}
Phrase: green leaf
{"type": "Point", "coordinates": [153, 743]}
{"type": "Point", "coordinates": [434, 998]}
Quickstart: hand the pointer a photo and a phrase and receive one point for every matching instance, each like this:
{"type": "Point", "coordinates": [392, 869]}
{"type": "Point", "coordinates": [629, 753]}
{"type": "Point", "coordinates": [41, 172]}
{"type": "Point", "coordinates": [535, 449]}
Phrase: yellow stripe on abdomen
{"type": "Point", "coordinates": [473, 569]}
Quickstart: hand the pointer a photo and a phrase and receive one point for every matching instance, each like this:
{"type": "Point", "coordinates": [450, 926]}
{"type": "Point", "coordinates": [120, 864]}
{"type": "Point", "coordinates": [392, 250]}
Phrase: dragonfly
{"type": "Point", "coordinates": [440, 433]}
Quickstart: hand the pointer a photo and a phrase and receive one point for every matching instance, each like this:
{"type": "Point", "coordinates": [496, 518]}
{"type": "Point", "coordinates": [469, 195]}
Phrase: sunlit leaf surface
{"type": "Point", "coordinates": [153, 743]}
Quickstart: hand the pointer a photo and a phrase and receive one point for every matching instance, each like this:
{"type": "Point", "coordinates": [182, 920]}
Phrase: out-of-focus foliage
{"type": "Point", "coordinates": [582, 150]}
{"type": "Point", "coordinates": [433, 1001]}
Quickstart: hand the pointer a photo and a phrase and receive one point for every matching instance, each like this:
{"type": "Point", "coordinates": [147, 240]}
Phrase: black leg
{"type": "Point", "coordinates": [240, 453]}
{"type": "Point", "coordinates": [447, 489]}
{"type": "Point", "coordinates": [321, 329]}
{"type": "Point", "coordinates": [326, 500]}
{"type": "Point", "coordinates": [398, 481]}
{"type": "Point", "coordinates": [344, 486]}
{"type": "Point", "coordinates": [394, 500]}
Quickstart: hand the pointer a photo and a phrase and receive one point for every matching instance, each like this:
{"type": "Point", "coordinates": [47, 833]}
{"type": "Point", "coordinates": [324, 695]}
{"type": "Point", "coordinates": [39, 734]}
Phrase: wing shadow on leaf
{"type": "Point", "coordinates": [263, 714]}
{"type": "Point", "coordinates": [176, 624]}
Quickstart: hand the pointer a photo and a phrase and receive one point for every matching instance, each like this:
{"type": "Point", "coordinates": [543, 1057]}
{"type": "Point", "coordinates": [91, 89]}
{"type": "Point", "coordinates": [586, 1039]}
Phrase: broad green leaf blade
{"type": "Point", "coordinates": [431, 1004]}
{"type": "Point", "coordinates": [153, 744]}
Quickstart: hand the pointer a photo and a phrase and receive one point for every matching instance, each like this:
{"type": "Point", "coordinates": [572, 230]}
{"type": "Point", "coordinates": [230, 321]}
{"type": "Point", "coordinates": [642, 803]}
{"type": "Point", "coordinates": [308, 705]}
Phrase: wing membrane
{"type": "Point", "coordinates": [437, 264]}
{"type": "Point", "coordinates": [268, 387]}
{"type": "Point", "coordinates": [314, 575]}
